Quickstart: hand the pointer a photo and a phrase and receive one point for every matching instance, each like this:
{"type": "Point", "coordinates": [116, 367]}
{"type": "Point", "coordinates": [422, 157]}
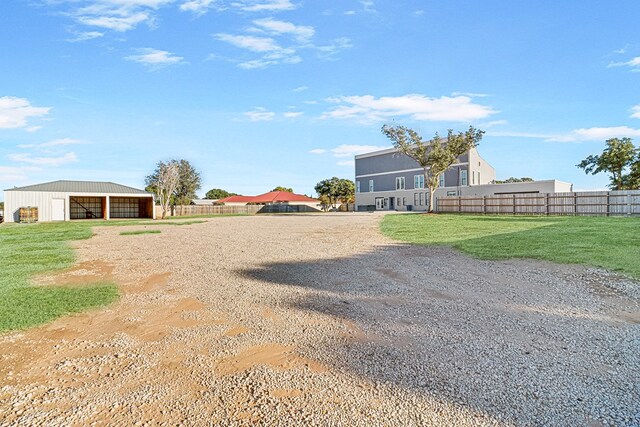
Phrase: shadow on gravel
{"type": "Point", "coordinates": [513, 340]}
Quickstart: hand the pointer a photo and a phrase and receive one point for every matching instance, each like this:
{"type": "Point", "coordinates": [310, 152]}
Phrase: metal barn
{"type": "Point", "coordinates": [78, 200]}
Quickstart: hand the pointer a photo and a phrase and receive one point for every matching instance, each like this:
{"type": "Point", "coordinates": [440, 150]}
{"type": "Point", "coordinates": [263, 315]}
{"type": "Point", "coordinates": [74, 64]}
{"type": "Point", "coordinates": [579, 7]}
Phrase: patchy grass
{"type": "Point", "coordinates": [136, 232]}
{"type": "Point", "coordinates": [26, 250]}
{"type": "Point", "coordinates": [178, 218]}
{"type": "Point", "coordinates": [607, 242]}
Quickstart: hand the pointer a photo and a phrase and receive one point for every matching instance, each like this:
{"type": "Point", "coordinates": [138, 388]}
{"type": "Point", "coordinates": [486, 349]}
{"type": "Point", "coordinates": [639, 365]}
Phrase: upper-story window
{"type": "Point", "coordinates": [400, 183]}
{"type": "Point", "coordinates": [463, 177]}
{"type": "Point", "coordinates": [441, 181]}
{"type": "Point", "coordinates": [370, 186]}
{"type": "Point", "coordinates": [357, 186]}
{"type": "Point", "coordinates": [418, 181]}
{"type": "Point", "coordinates": [478, 177]}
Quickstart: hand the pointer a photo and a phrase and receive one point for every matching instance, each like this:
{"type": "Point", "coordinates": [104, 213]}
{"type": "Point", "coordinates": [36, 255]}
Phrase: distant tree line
{"type": "Point", "coordinates": [512, 179]}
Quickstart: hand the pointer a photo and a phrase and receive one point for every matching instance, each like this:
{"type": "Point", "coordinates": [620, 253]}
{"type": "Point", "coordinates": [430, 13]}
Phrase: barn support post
{"type": "Point", "coordinates": [107, 208]}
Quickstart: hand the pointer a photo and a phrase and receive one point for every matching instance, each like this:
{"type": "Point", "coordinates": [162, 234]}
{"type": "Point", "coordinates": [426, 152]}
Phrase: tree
{"type": "Point", "coordinates": [217, 194]}
{"type": "Point", "coordinates": [621, 159]}
{"type": "Point", "coordinates": [163, 183]}
{"type": "Point", "coordinates": [335, 189]}
{"type": "Point", "coordinates": [287, 189]}
{"type": "Point", "coordinates": [512, 179]}
{"type": "Point", "coordinates": [435, 156]}
{"type": "Point", "coordinates": [188, 183]}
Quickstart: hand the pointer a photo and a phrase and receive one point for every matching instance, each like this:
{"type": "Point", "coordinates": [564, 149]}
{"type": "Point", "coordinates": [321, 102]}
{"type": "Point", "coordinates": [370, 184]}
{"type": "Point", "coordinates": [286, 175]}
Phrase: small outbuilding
{"type": "Point", "coordinates": [76, 200]}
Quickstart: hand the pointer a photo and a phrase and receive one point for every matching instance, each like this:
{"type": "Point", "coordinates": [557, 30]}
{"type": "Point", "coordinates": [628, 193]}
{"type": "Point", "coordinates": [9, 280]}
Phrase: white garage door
{"type": "Point", "coordinates": [57, 209]}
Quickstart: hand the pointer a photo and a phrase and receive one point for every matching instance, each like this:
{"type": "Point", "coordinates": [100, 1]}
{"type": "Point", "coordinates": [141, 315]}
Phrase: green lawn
{"type": "Point", "coordinates": [26, 250]}
{"type": "Point", "coordinates": [29, 249]}
{"type": "Point", "coordinates": [611, 243]}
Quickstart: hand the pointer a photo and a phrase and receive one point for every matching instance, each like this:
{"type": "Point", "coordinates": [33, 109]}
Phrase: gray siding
{"type": "Point", "coordinates": [388, 182]}
{"type": "Point", "coordinates": [390, 162]}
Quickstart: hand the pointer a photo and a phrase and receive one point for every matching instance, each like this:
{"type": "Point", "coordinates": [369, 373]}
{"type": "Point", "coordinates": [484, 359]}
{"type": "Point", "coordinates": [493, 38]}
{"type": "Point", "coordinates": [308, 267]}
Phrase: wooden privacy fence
{"type": "Point", "coordinates": [596, 203]}
{"type": "Point", "coordinates": [191, 210]}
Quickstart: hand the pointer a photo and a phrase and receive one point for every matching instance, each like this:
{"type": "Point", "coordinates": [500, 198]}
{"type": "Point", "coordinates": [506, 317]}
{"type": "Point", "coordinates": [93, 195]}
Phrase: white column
{"type": "Point", "coordinates": [107, 208]}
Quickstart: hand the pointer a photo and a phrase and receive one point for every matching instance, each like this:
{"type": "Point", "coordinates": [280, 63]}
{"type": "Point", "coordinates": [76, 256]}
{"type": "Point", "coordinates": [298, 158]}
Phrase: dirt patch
{"type": "Point", "coordinates": [277, 356]}
{"type": "Point", "coordinates": [84, 273]}
{"type": "Point", "coordinates": [272, 320]}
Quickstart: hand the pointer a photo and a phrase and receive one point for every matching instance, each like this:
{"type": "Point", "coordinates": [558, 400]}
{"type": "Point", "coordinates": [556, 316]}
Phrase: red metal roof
{"type": "Point", "coordinates": [281, 196]}
{"type": "Point", "coordinates": [235, 199]}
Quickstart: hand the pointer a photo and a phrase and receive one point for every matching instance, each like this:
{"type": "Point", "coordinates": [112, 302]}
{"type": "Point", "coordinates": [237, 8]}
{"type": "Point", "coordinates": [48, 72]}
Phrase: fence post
{"type": "Point", "coordinates": [514, 204]}
{"type": "Point", "coordinates": [459, 204]}
{"type": "Point", "coordinates": [546, 204]}
{"type": "Point", "coordinates": [608, 202]}
{"type": "Point", "coordinates": [575, 204]}
{"type": "Point", "coordinates": [484, 205]}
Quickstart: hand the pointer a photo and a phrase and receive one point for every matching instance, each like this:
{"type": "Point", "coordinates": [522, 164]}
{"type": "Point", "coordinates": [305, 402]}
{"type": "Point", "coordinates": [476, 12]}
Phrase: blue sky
{"type": "Point", "coordinates": [260, 93]}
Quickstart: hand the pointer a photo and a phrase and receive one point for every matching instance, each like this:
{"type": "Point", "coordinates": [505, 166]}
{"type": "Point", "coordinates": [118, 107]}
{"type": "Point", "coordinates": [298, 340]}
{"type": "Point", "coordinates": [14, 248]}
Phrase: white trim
{"type": "Point", "coordinates": [404, 171]}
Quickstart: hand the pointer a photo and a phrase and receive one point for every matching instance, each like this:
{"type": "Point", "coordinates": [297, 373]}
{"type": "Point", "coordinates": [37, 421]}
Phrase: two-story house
{"type": "Point", "coordinates": [389, 180]}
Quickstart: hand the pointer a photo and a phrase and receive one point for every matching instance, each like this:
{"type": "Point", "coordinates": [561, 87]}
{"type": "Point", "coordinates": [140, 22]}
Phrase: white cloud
{"type": "Point", "coordinates": [419, 12]}
{"type": "Point", "coordinates": [368, 6]}
{"type": "Point", "coordinates": [260, 115]}
{"type": "Point", "coordinates": [346, 163]}
{"type": "Point", "coordinates": [293, 114]}
{"type": "Point", "coordinates": [155, 58]}
{"type": "Point", "coordinates": [596, 134]}
{"type": "Point", "coordinates": [300, 32]}
{"type": "Point", "coordinates": [117, 23]}
{"type": "Point", "coordinates": [369, 109]}
{"type": "Point", "coordinates": [635, 112]}
{"type": "Point", "coordinates": [198, 7]}
{"type": "Point", "coordinates": [300, 89]}
{"type": "Point", "coordinates": [12, 174]}
{"type": "Point", "coordinates": [350, 12]}
{"type": "Point", "coordinates": [44, 161]}
{"type": "Point", "coordinates": [334, 47]}
{"type": "Point", "coordinates": [350, 150]}
{"type": "Point", "coordinates": [633, 63]}
{"type": "Point", "coordinates": [116, 15]}
{"type": "Point", "coordinates": [509, 134]}
{"type": "Point", "coordinates": [272, 52]}
{"type": "Point", "coordinates": [53, 143]}
{"type": "Point", "coordinates": [470, 94]}
{"type": "Point", "coordinates": [264, 5]}
{"type": "Point", "coordinates": [15, 112]}
{"type": "Point", "coordinates": [254, 44]}
{"type": "Point", "coordinates": [318, 151]}
{"type": "Point", "coordinates": [84, 36]}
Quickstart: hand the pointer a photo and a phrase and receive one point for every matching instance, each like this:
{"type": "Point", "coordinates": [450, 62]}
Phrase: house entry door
{"type": "Point", "coordinates": [379, 203]}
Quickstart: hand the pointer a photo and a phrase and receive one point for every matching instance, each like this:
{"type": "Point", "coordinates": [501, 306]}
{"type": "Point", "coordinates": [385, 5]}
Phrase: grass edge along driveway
{"type": "Point", "coordinates": [606, 242]}
{"type": "Point", "coordinates": [30, 249]}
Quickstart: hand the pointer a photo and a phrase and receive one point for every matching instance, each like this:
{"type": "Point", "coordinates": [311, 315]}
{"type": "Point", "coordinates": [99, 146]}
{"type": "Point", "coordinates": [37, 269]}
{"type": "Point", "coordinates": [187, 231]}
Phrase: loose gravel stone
{"type": "Point", "coordinates": [320, 320]}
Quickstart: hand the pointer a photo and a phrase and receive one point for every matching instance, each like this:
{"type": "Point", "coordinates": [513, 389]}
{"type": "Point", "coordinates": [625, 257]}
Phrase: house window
{"type": "Point", "coordinates": [418, 181]}
{"type": "Point", "coordinates": [463, 177]}
{"type": "Point", "coordinates": [400, 183]}
{"type": "Point", "coordinates": [441, 181]}
{"type": "Point", "coordinates": [416, 198]}
{"type": "Point", "coordinates": [399, 201]}
{"type": "Point", "coordinates": [357, 186]}
{"type": "Point", "coordinates": [404, 201]}
{"type": "Point", "coordinates": [473, 177]}
{"type": "Point", "coordinates": [478, 177]}
{"type": "Point", "coordinates": [422, 199]}
{"type": "Point", "coordinates": [370, 186]}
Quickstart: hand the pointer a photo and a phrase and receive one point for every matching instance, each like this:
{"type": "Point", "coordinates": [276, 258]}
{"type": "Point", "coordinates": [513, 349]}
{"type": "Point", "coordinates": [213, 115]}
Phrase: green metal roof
{"type": "Point", "coordinates": [82, 187]}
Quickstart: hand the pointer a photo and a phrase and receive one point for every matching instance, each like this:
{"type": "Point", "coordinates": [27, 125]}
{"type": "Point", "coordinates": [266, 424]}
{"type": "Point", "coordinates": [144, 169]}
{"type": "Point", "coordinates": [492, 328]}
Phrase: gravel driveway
{"type": "Point", "coordinates": [320, 320]}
